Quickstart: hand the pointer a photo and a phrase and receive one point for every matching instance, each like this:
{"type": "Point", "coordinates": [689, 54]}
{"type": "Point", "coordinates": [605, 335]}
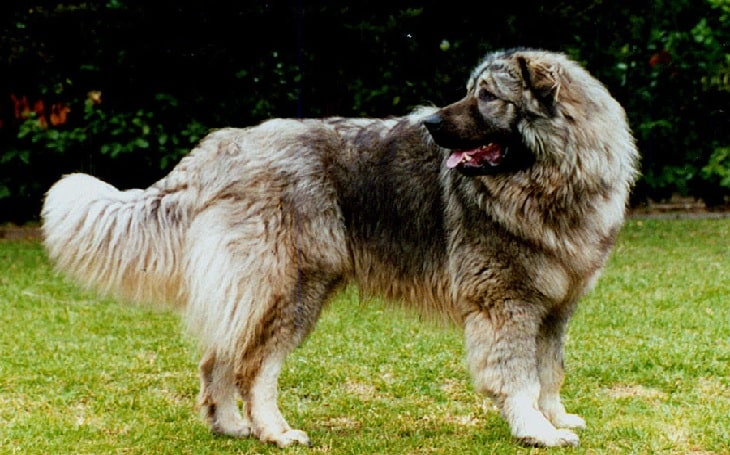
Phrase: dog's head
{"type": "Point", "coordinates": [496, 127]}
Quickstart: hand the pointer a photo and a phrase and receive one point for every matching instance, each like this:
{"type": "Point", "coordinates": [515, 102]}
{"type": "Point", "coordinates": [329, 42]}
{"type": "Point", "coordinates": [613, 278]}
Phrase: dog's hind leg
{"type": "Point", "coordinates": [256, 284]}
{"type": "Point", "coordinates": [283, 328]}
{"type": "Point", "coordinates": [502, 354]}
{"type": "Point", "coordinates": [551, 370]}
{"type": "Point", "coordinates": [218, 398]}
{"type": "Point", "coordinates": [262, 394]}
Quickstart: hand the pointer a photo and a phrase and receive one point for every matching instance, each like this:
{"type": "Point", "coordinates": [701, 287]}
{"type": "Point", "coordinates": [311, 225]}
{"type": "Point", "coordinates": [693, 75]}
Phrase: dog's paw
{"type": "Point", "coordinates": [555, 413]}
{"type": "Point", "coordinates": [287, 438]}
{"type": "Point", "coordinates": [237, 431]}
{"type": "Point", "coordinates": [569, 421]}
{"type": "Point", "coordinates": [226, 421]}
{"type": "Point", "coordinates": [233, 426]}
{"type": "Point", "coordinates": [532, 429]}
{"type": "Point", "coordinates": [556, 438]}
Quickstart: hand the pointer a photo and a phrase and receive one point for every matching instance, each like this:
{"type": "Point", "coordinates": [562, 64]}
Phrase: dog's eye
{"type": "Point", "coordinates": [486, 96]}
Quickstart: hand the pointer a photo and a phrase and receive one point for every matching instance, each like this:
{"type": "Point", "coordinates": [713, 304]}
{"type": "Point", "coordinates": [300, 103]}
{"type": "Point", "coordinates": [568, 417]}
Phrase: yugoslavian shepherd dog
{"type": "Point", "coordinates": [497, 211]}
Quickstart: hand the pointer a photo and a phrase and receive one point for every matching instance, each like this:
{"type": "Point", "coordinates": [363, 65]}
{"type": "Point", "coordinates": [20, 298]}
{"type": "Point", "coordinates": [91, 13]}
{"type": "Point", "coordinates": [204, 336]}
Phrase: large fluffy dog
{"type": "Point", "coordinates": [497, 211]}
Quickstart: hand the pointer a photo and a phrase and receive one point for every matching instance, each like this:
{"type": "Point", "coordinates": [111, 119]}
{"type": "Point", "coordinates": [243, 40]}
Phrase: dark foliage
{"type": "Point", "coordinates": [123, 88]}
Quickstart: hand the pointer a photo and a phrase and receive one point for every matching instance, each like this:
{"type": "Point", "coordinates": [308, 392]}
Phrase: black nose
{"type": "Point", "coordinates": [433, 122]}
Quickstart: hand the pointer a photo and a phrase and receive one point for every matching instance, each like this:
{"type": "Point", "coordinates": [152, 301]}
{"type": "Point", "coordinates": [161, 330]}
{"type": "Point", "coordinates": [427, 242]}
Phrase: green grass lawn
{"type": "Point", "coordinates": [648, 361]}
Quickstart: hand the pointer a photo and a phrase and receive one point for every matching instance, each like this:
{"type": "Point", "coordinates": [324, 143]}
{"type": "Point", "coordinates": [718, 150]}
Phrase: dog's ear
{"type": "Point", "coordinates": [541, 78]}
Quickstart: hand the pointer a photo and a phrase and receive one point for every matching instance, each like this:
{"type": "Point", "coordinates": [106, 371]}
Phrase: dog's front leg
{"type": "Point", "coordinates": [551, 370]}
{"type": "Point", "coordinates": [501, 348]}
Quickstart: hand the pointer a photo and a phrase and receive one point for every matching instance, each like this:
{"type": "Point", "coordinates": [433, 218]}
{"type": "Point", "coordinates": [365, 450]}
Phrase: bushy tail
{"type": "Point", "coordinates": [125, 243]}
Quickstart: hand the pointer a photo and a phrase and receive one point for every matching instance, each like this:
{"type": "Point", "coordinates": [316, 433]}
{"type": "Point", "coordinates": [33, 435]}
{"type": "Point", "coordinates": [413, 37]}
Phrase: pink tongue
{"type": "Point", "coordinates": [455, 159]}
{"type": "Point", "coordinates": [491, 154]}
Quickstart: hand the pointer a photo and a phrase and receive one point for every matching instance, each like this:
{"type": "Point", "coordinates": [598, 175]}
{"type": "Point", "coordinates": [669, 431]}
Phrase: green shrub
{"type": "Point", "coordinates": [127, 148]}
{"type": "Point", "coordinates": [227, 64]}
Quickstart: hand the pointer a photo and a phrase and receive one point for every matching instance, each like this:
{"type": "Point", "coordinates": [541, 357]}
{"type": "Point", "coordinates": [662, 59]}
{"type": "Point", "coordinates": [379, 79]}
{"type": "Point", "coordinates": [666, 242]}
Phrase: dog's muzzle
{"type": "Point", "coordinates": [472, 158]}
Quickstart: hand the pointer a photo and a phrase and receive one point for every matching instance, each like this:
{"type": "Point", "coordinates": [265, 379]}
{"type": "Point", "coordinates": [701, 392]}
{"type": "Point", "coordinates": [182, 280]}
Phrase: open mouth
{"type": "Point", "coordinates": [486, 156]}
